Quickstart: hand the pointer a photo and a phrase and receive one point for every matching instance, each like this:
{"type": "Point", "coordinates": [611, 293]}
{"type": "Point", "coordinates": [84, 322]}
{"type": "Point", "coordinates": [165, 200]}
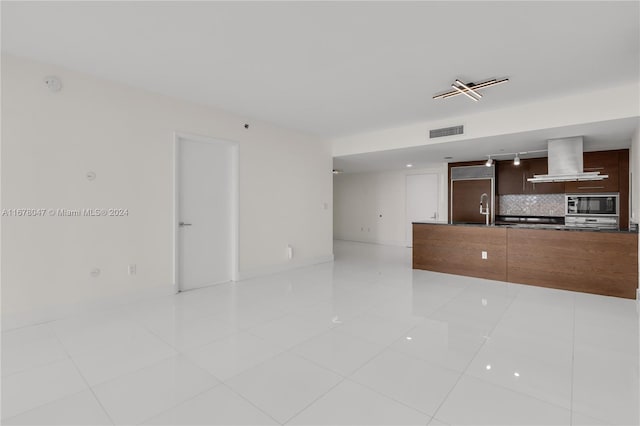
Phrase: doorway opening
{"type": "Point", "coordinates": [421, 201]}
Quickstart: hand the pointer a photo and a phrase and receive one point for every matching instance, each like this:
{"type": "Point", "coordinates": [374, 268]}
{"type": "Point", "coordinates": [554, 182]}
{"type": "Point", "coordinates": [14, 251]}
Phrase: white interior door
{"type": "Point", "coordinates": [205, 212]}
{"type": "Point", "coordinates": [422, 201]}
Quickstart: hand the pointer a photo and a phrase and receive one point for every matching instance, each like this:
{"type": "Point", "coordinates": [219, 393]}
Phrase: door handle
{"type": "Point", "coordinates": [184, 224]}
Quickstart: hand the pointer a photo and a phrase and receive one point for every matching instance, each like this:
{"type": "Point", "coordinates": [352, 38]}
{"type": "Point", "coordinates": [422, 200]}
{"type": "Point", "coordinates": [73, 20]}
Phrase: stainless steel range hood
{"type": "Point", "coordinates": [565, 162]}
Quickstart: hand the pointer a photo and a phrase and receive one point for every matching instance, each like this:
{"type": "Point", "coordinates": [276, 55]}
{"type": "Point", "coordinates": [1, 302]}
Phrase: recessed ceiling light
{"type": "Point", "coordinates": [488, 367]}
{"type": "Point", "coordinates": [409, 165]}
{"type": "Point", "coordinates": [516, 374]}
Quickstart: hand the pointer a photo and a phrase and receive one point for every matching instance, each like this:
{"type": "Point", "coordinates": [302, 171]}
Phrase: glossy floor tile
{"type": "Point", "coordinates": [185, 334]}
{"type": "Point", "coordinates": [412, 381]}
{"type": "Point", "coordinates": [284, 385]}
{"type": "Point", "coordinates": [232, 355]}
{"type": "Point", "coordinates": [38, 386]}
{"type": "Point", "coordinates": [139, 350]}
{"type": "Point", "coordinates": [339, 352]}
{"type": "Point", "coordinates": [218, 406]}
{"type": "Point", "coordinates": [541, 368]}
{"type": "Point", "coordinates": [30, 347]}
{"type": "Point", "coordinates": [353, 404]}
{"type": "Point", "coordinates": [363, 340]}
{"type": "Point", "coordinates": [291, 329]}
{"type": "Point", "coordinates": [449, 344]}
{"type": "Point", "coordinates": [80, 409]}
{"type": "Point", "coordinates": [137, 397]}
{"type": "Point", "coordinates": [605, 384]}
{"type": "Point", "coordinates": [476, 402]}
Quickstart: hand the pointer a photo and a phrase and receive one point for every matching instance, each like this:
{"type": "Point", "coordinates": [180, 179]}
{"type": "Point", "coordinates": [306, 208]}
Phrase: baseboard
{"type": "Point", "coordinates": [380, 243]}
{"type": "Point", "coordinates": [281, 267]}
{"type": "Point", "coordinates": [24, 319]}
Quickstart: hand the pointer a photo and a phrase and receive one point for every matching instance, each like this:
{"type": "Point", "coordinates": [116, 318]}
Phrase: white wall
{"type": "Point", "coordinates": [125, 135]}
{"type": "Point", "coordinates": [634, 168]}
{"type": "Point", "coordinates": [601, 105]}
{"type": "Point", "coordinates": [360, 199]}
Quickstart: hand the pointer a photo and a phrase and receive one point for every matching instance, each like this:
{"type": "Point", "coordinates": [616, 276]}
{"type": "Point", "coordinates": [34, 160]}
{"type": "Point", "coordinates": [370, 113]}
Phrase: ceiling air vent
{"type": "Point", "coordinates": [446, 131]}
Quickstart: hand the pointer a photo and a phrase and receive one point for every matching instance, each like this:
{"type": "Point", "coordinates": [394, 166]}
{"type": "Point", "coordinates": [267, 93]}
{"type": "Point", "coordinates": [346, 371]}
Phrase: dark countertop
{"type": "Point", "coordinates": [531, 226]}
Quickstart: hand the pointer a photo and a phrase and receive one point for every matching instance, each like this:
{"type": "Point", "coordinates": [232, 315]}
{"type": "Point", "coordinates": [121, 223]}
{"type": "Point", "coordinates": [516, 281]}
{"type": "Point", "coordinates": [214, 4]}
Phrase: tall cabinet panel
{"type": "Point", "coordinates": [512, 179]}
{"type": "Point", "coordinates": [539, 166]}
{"type": "Point", "coordinates": [605, 162]}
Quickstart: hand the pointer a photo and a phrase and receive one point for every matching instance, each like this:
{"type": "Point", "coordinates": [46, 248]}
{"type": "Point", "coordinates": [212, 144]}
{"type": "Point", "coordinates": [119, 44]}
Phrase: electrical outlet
{"type": "Point", "coordinates": [132, 269]}
{"type": "Point", "coordinates": [484, 255]}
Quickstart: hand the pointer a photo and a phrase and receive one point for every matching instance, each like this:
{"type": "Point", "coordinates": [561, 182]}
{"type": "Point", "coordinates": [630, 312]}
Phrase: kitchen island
{"type": "Point", "coordinates": [585, 260]}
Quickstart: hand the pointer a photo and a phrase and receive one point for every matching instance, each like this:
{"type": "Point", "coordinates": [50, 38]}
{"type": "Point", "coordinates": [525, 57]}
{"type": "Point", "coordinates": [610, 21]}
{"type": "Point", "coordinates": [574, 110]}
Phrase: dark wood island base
{"type": "Point", "coordinates": [598, 262]}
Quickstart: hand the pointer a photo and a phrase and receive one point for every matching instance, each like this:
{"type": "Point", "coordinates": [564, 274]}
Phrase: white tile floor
{"type": "Point", "coordinates": [363, 341]}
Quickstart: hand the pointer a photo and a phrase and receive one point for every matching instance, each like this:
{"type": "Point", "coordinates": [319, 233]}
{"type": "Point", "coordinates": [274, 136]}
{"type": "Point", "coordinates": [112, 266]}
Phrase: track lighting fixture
{"type": "Point", "coordinates": [516, 156]}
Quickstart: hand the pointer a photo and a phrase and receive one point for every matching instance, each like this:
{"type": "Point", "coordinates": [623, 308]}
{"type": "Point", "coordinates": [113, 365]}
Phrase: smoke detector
{"type": "Point", "coordinates": [53, 83]}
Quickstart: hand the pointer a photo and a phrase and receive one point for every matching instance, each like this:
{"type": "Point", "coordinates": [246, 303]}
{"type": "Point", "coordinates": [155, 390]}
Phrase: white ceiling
{"type": "Point", "coordinates": [613, 134]}
{"type": "Point", "coordinates": [336, 68]}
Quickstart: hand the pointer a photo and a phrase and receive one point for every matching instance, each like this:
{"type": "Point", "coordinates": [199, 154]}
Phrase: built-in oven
{"type": "Point", "coordinates": [592, 210]}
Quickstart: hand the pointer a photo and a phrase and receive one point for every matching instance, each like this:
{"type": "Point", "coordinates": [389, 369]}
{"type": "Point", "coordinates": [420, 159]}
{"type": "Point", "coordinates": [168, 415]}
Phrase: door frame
{"type": "Point", "coordinates": [235, 198]}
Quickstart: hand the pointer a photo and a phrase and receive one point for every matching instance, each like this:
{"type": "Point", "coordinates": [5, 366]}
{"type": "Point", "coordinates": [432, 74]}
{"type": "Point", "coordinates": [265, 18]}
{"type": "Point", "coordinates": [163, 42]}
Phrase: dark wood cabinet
{"type": "Point", "coordinates": [605, 162]}
{"type": "Point", "coordinates": [539, 166]}
{"type": "Point", "coordinates": [587, 261]}
{"type": "Point", "coordinates": [466, 200]}
{"type": "Point", "coordinates": [512, 179]}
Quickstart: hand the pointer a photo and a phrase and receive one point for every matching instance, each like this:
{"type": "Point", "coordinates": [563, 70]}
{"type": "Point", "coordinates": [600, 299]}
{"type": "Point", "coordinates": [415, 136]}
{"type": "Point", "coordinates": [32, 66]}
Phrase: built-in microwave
{"type": "Point", "coordinates": [605, 204]}
{"type": "Point", "coordinates": [599, 211]}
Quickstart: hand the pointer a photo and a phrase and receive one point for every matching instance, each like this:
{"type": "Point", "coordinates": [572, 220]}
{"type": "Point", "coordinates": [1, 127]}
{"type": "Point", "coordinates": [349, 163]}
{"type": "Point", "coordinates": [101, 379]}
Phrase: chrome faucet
{"type": "Point", "coordinates": [484, 199]}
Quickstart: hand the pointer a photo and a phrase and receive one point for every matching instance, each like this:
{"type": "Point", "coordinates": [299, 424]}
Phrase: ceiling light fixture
{"type": "Point", "coordinates": [459, 83]}
{"type": "Point", "coordinates": [464, 93]}
{"type": "Point", "coordinates": [466, 88]}
{"type": "Point", "coordinates": [409, 165]}
{"type": "Point", "coordinates": [489, 162]}
{"type": "Point", "coordinates": [516, 155]}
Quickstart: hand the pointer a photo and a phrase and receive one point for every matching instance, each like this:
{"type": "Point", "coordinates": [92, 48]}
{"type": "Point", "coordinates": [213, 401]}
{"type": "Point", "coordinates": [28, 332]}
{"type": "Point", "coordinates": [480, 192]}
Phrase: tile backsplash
{"type": "Point", "coordinates": [532, 205]}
